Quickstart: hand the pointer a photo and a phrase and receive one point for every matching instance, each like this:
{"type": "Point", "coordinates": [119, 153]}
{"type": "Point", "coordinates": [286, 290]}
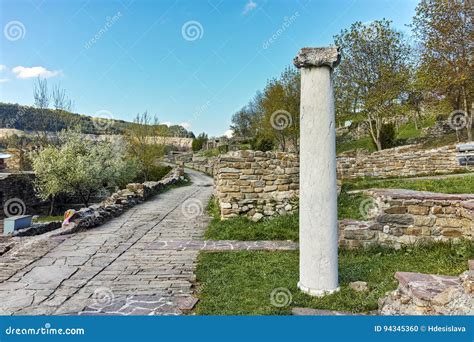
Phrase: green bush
{"type": "Point", "coordinates": [199, 142]}
{"type": "Point", "coordinates": [388, 136]}
{"type": "Point", "coordinates": [262, 144]}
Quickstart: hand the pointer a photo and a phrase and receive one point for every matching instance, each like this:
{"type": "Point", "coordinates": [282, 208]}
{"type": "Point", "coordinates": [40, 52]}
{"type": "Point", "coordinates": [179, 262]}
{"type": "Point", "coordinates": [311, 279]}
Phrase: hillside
{"type": "Point", "coordinates": [26, 118]}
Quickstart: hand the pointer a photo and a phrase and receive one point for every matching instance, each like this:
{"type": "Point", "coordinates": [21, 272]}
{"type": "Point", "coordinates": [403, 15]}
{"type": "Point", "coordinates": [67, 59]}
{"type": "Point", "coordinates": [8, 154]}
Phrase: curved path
{"type": "Point", "coordinates": [122, 267]}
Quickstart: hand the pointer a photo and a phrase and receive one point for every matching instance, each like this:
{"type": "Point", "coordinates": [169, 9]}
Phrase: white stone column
{"type": "Point", "coordinates": [318, 193]}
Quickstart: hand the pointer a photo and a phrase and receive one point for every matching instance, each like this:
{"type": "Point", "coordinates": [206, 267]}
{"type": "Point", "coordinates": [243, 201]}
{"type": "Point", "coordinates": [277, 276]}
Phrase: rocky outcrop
{"type": "Point", "coordinates": [429, 294]}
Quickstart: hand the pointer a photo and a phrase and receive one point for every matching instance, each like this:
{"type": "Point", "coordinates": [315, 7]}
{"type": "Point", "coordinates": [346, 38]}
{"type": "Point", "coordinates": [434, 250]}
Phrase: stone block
{"type": "Point", "coordinates": [418, 210]}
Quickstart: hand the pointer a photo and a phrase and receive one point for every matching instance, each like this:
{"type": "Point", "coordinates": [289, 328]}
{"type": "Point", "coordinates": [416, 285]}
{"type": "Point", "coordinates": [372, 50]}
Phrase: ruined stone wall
{"type": "Point", "coordinates": [400, 162]}
{"type": "Point", "coordinates": [402, 217]}
{"type": "Point", "coordinates": [256, 184]}
{"type": "Point", "coordinates": [203, 164]}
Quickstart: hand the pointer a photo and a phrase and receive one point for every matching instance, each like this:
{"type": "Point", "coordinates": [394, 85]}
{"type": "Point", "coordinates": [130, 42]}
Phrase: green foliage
{"type": "Point", "coordinates": [444, 31]}
{"type": "Point", "coordinates": [387, 136]}
{"type": "Point", "coordinates": [362, 143]}
{"type": "Point", "coordinates": [271, 118]}
{"type": "Point", "coordinates": [143, 146]}
{"type": "Point", "coordinates": [199, 142]}
{"type": "Point", "coordinates": [241, 282]}
{"type": "Point", "coordinates": [374, 74]}
{"type": "Point", "coordinates": [81, 167]}
{"type": "Point", "coordinates": [42, 119]}
{"type": "Point", "coordinates": [262, 144]}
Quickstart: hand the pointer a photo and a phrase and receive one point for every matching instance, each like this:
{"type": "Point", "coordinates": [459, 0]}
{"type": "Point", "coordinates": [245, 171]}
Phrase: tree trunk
{"type": "Point", "coordinates": [51, 207]}
{"type": "Point", "coordinates": [468, 115]}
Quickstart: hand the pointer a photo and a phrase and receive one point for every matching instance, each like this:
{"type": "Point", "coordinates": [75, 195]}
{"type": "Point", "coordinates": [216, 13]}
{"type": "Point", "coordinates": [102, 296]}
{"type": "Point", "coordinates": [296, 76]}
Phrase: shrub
{"type": "Point", "coordinates": [388, 136]}
{"type": "Point", "coordinates": [262, 144]}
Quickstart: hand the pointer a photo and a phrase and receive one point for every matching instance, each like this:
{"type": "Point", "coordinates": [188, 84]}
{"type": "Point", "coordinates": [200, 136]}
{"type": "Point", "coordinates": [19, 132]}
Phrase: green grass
{"type": "Point", "coordinates": [240, 283]}
{"type": "Point", "coordinates": [363, 143]}
{"type": "Point", "coordinates": [213, 152]}
{"type": "Point", "coordinates": [454, 185]}
{"type": "Point", "coordinates": [283, 227]}
{"type": "Point", "coordinates": [43, 219]}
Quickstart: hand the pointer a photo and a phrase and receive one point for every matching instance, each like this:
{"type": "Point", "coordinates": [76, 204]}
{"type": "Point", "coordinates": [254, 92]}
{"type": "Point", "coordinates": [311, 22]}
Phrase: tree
{"type": "Point", "coordinates": [60, 100]}
{"type": "Point", "coordinates": [272, 116]}
{"type": "Point", "coordinates": [374, 74]}
{"type": "Point", "coordinates": [445, 32]}
{"type": "Point", "coordinates": [199, 142]}
{"type": "Point", "coordinates": [143, 143]}
{"type": "Point", "coordinates": [80, 167]}
{"type": "Point", "coordinates": [41, 94]}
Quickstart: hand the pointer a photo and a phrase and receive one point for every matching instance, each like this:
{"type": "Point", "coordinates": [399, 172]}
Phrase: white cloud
{"type": "Point", "coordinates": [229, 133]}
{"type": "Point", "coordinates": [37, 71]}
{"type": "Point", "coordinates": [185, 125]}
{"type": "Point", "coordinates": [2, 67]}
{"type": "Point", "coordinates": [167, 123]}
{"type": "Point", "coordinates": [4, 80]}
{"type": "Point", "coordinates": [249, 6]}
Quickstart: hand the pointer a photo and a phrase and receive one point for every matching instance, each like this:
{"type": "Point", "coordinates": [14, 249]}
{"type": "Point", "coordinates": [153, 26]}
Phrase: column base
{"type": "Point", "coordinates": [317, 293]}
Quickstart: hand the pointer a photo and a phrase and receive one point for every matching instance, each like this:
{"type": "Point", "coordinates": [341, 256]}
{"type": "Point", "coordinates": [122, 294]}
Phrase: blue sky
{"type": "Point", "coordinates": [192, 62]}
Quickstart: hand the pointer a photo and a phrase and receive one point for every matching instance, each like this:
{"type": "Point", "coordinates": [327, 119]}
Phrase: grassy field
{"type": "Point", "coordinates": [241, 283]}
{"type": "Point", "coordinates": [451, 185]}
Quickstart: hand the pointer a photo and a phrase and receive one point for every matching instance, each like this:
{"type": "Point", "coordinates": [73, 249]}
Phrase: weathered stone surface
{"type": "Point", "coordinates": [317, 57]}
{"type": "Point", "coordinates": [359, 286]}
{"type": "Point", "coordinates": [317, 312]}
{"type": "Point", "coordinates": [428, 294]}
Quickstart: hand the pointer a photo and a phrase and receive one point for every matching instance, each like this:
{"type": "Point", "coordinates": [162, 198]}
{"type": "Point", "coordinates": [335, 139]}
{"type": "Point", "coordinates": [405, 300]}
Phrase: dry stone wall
{"type": "Point", "coordinates": [256, 184]}
{"type": "Point", "coordinates": [402, 217]}
{"type": "Point", "coordinates": [203, 164]}
{"type": "Point", "coordinates": [400, 162]}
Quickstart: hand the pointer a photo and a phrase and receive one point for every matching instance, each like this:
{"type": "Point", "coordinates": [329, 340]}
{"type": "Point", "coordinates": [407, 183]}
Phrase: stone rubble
{"type": "Point", "coordinates": [429, 294]}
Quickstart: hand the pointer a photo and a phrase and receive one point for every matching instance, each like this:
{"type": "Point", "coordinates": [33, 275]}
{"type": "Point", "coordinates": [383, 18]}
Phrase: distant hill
{"type": "Point", "coordinates": [28, 118]}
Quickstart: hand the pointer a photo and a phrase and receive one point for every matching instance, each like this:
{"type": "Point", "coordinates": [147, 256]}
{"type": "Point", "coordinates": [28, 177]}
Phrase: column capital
{"type": "Point", "coordinates": [317, 57]}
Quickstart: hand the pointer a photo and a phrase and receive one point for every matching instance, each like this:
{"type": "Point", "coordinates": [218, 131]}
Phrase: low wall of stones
{"type": "Point", "coordinates": [120, 201]}
{"type": "Point", "coordinates": [202, 164]}
{"type": "Point", "coordinates": [256, 184]}
{"type": "Point", "coordinates": [403, 217]}
{"type": "Point", "coordinates": [400, 162]}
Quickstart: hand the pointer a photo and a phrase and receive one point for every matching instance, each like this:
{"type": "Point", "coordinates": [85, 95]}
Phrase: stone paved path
{"type": "Point", "coordinates": [139, 263]}
{"type": "Point", "coordinates": [104, 268]}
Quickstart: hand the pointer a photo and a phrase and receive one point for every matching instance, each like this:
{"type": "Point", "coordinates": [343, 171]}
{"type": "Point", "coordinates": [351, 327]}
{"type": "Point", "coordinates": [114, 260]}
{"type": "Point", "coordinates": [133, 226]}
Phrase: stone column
{"type": "Point", "coordinates": [318, 193]}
